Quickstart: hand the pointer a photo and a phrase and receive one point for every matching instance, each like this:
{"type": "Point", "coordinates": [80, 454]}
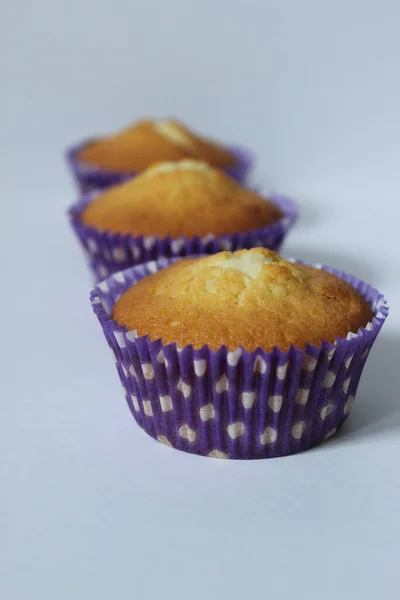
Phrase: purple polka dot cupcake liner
{"type": "Point", "coordinates": [236, 404]}
{"type": "Point", "coordinates": [109, 252]}
{"type": "Point", "coordinates": [89, 178]}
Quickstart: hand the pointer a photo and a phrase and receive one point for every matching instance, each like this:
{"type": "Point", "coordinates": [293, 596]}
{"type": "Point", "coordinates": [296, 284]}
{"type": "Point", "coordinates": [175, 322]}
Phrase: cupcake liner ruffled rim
{"type": "Point", "coordinates": [236, 404]}
{"type": "Point", "coordinates": [108, 252]}
{"type": "Point", "coordinates": [88, 177]}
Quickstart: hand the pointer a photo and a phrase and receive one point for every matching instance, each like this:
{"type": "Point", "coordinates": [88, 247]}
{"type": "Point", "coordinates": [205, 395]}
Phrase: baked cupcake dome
{"type": "Point", "coordinates": [234, 403]}
{"type": "Point", "coordinates": [148, 142]}
{"type": "Point", "coordinates": [250, 299]}
{"type": "Point", "coordinates": [109, 160]}
{"type": "Point", "coordinates": [185, 198]}
{"type": "Point", "coordinates": [176, 209]}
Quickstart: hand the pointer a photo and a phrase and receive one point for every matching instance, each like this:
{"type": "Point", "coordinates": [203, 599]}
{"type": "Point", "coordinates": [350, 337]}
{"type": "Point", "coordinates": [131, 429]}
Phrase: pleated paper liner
{"type": "Point", "coordinates": [239, 405]}
{"type": "Point", "coordinates": [89, 177]}
{"type": "Point", "coordinates": [109, 252]}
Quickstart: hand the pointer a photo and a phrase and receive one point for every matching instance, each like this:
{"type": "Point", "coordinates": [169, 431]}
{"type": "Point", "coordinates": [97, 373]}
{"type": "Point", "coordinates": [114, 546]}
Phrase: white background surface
{"type": "Point", "coordinates": [90, 508]}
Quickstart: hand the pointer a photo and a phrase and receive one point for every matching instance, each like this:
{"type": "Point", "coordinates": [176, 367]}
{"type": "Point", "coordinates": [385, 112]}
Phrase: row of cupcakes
{"type": "Point", "coordinates": [97, 163]}
{"type": "Point", "coordinates": [175, 196]}
{"type": "Point", "coordinates": [240, 354]}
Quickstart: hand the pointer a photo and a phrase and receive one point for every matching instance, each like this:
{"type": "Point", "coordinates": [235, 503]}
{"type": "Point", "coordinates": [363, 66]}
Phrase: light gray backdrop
{"type": "Point", "coordinates": [90, 508]}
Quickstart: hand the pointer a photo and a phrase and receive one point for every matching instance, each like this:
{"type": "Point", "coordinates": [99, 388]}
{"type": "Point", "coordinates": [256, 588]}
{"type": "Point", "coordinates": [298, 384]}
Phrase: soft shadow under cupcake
{"type": "Point", "coordinates": [376, 411]}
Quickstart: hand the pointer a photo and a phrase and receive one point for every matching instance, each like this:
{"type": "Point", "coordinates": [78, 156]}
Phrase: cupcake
{"type": "Point", "coordinates": [239, 355]}
{"type": "Point", "coordinates": [99, 163]}
{"type": "Point", "coordinates": [176, 209]}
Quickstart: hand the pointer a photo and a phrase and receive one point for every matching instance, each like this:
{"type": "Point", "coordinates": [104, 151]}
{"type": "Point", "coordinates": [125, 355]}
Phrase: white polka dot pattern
{"type": "Point", "coordinates": [103, 285]}
{"type": "Point", "coordinates": [135, 403]}
{"type": "Point", "coordinates": [119, 277]}
{"type": "Point", "coordinates": [346, 384]}
{"type": "Point", "coordinates": [208, 238]}
{"type": "Point", "coordinates": [302, 396]}
{"type": "Point", "coordinates": [92, 246]}
{"type": "Point", "coordinates": [166, 403]}
{"type": "Point", "coordinates": [275, 403]}
{"type": "Point", "coordinates": [119, 254]}
{"type": "Point", "coordinates": [106, 306]}
{"type": "Point", "coordinates": [152, 266]}
{"type": "Point", "coordinates": [207, 412]}
{"type": "Point", "coordinates": [222, 384]}
{"type": "Point", "coordinates": [149, 242]}
{"type": "Point", "coordinates": [164, 440]}
{"type": "Point", "coordinates": [309, 363]}
{"type": "Point", "coordinates": [132, 335]}
{"type": "Point", "coordinates": [281, 371]}
{"type": "Point", "coordinates": [136, 252]}
{"type": "Point", "coordinates": [161, 358]}
{"type": "Point", "coordinates": [269, 436]}
{"type": "Point", "coordinates": [260, 366]}
{"type": "Point", "coordinates": [148, 371]}
{"type": "Point", "coordinates": [298, 429]}
{"type": "Point", "coordinates": [103, 271]}
{"type": "Point", "coordinates": [347, 361]}
{"type": "Point", "coordinates": [200, 367]}
{"type": "Point", "coordinates": [329, 379]}
{"type": "Point", "coordinates": [261, 405]}
{"type": "Point", "coordinates": [177, 245]}
{"type": "Point", "coordinates": [147, 408]}
{"type": "Point", "coordinates": [349, 405]}
{"type": "Point", "coordinates": [330, 433]}
{"type": "Point", "coordinates": [234, 357]}
{"type": "Point", "coordinates": [235, 430]}
{"type": "Point", "coordinates": [326, 411]}
{"type": "Point", "coordinates": [184, 388]}
{"type": "Point", "coordinates": [120, 339]}
{"type": "Point", "coordinates": [187, 433]}
{"type": "Point", "coordinates": [217, 454]}
{"type": "Point", "coordinates": [365, 354]}
{"type": "Point", "coordinates": [248, 399]}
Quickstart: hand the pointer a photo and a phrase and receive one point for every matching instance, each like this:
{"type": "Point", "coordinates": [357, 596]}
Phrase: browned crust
{"type": "Point", "coordinates": [180, 202]}
{"type": "Point", "coordinates": [199, 302]}
{"type": "Point", "coordinates": [142, 145]}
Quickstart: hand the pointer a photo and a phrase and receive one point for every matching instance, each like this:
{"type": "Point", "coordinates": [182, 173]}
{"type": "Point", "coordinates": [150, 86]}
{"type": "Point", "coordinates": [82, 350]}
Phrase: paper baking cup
{"type": "Point", "coordinates": [94, 178]}
{"type": "Point", "coordinates": [109, 252]}
{"type": "Point", "coordinates": [236, 404]}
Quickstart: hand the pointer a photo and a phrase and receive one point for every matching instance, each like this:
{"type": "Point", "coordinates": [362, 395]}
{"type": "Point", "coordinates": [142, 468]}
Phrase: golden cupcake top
{"type": "Point", "coordinates": [150, 141]}
{"type": "Point", "coordinates": [249, 298]}
{"type": "Point", "coordinates": [185, 198]}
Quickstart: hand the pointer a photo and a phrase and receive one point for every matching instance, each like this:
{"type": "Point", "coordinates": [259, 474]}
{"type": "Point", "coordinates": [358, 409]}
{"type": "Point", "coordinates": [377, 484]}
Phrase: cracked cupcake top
{"type": "Point", "coordinates": [184, 198]}
{"type": "Point", "coordinates": [150, 141]}
{"type": "Point", "coordinates": [249, 298]}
